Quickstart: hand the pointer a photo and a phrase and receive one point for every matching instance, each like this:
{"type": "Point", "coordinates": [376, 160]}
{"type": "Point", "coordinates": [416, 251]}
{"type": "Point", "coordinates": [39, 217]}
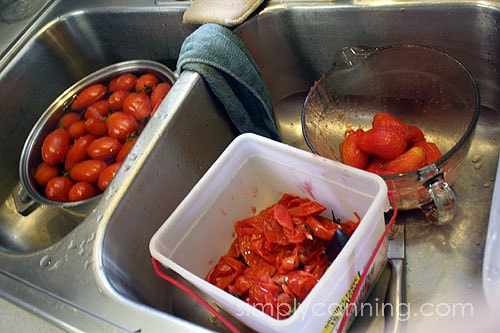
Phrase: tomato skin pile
{"type": "Point", "coordinates": [278, 255]}
{"type": "Point", "coordinates": [390, 147]}
{"type": "Point", "coordinates": [81, 156]}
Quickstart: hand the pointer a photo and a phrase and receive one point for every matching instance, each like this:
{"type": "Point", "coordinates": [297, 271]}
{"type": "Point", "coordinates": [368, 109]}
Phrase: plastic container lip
{"type": "Point", "coordinates": [48, 120]}
{"type": "Point", "coordinates": [246, 149]}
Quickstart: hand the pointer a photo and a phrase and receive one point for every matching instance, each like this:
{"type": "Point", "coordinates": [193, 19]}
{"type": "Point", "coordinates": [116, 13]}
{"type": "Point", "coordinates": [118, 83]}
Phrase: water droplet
{"type": "Point", "coordinates": [132, 157]}
{"type": "Point", "coordinates": [55, 265]}
{"type": "Point", "coordinates": [45, 261]}
{"type": "Point", "coordinates": [91, 238]}
{"type": "Point", "coordinates": [86, 264]}
{"type": "Point", "coordinates": [486, 185]}
{"type": "Point", "coordinates": [126, 167]}
{"type": "Point", "coordinates": [478, 165]}
{"type": "Point", "coordinates": [81, 250]}
{"type": "Point", "coordinates": [476, 158]}
{"type": "Point", "coordinates": [71, 245]}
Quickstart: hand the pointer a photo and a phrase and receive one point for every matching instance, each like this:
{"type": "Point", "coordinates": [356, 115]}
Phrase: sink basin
{"type": "Point", "coordinates": [102, 262]}
{"type": "Point", "coordinates": [294, 46]}
{"type": "Point", "coordinates": [64, 51]}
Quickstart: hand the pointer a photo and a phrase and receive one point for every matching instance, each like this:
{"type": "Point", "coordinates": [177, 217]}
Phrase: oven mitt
{"type": "Point", "coordinates": [228, 13]}
{"type": "Point", "coordinates": [222, 59]}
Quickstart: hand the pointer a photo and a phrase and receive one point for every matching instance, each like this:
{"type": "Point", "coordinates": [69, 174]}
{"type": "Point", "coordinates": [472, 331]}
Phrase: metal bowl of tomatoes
{"type": "Point", "coordinates": [77, 145]}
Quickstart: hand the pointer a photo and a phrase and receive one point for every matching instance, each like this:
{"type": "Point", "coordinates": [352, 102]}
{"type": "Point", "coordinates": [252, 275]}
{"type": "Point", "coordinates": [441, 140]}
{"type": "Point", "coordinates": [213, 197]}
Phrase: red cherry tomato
{"type": "Point", "coordinates": [88, 96]}
{"type": "Point", "coordinates": [107, 175]}
{"type": "Point", "coordinates": [123, 82]}
{"type": "Point", "coordinates": [87, 171]}
{"type": "Point", "coordinates": [125, 149]}
{"type": "Point", "coordinates": [121, 125]}
{"type": "Point", "coordinates": [78, 151]}
{"type": "Point", "coordinates": [55, 146]}
{"type": "Point", "coordinates": [45, 172]}
{"type": "Point", "coordinates": [77, 130]}
{"type": "Point", "coordinates": [69, 119]}
{"type": "Point", "coordinates": [96, 126]}
{"type": "Point", "coordinates": [159, 92]}
{"type": "Point", "coordinates": [57, 188]}
{"type": "Point", "coordinates": [116, 99]}
{"type": "Point", "coordinates": [138, 105]}
{"type": "Point", "coordinates": [81, 191]}
{"type": "Point", "coordinates": [104, 148]}
{"type": "Point", "coordinates": [99, 109]}
{"type": "Point", "coordinates": [146, 82]}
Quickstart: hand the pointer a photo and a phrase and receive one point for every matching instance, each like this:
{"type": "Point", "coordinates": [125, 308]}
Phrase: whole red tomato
{"type": "Point", "coordinates": [116, 99]}
{"type": "Point", "coordinates": [96, 126]}
{"type": "Point", "coordinates": [78, 151]}
{"type": "Point", "coordinates": [45, 172]}
{"type": "Point", "coordinates": [88, 96]}
{"type": "Point", "coordinates": [87, 171]}
{"type": "Point", "coordinates": [55, 146]}
{"type": "Point", "coordinates": [121, 125]}
{"type": "Point", "coordinates": [138, 105]}
{"type": "Point", "coordinates": [69, 119]}
{"type": "Point", "coordinates": [146, 82]}
{"type": "Point", "coordinates": [107, 175]}
{"type": "Point", "coordinates": [77, 129]}
{"type": "Point", "coordinates": [81, 191]}
{"type": "Point", "coordinates": [104, 148]}
{"type": "Point", "coordinates": [159, 92]}
{"type": "Point", "coordinates": [57, 188]}
{"type": "Point", "coordinates": [99, 109]}
{"type": "Point", "coordinates": [125, 149]}
{"type": "Point", "coordinates": [125, 81]}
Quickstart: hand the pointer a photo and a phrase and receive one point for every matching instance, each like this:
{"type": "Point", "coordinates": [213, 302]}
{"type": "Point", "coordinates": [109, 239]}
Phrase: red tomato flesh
{"type": "Point", "coordinates": [277, 256]}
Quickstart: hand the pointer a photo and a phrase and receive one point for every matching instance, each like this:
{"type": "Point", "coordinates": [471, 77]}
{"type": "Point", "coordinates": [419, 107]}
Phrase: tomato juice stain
{"type": "Point", "coordinates": [308, 188]}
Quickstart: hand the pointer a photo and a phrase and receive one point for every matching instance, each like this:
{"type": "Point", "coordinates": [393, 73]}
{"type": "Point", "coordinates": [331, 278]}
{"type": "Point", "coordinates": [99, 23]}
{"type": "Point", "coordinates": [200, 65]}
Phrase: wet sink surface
{"type": "Point", "coordinates": [104, 259]}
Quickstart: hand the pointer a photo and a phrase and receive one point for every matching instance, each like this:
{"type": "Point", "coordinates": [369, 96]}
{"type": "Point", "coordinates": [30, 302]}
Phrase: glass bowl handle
{"type": "Point", "coordinates": [442, 207]}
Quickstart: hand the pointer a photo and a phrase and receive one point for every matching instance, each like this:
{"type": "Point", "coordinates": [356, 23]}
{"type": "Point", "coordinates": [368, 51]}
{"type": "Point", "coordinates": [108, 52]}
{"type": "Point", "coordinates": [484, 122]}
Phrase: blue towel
{"type": "Point", "coordinates": [222, 59]}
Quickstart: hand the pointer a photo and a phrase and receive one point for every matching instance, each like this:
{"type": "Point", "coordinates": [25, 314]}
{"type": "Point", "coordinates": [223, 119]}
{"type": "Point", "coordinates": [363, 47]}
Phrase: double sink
{"type": "Point", "coordinates": [95, 273]}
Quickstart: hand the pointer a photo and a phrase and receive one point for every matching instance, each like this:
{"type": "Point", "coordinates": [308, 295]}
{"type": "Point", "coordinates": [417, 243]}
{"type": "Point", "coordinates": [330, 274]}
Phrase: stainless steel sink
{"type": "Point", "coordinates": [96, 273]}
{"type": "Point", "coordinates": [64, 51]}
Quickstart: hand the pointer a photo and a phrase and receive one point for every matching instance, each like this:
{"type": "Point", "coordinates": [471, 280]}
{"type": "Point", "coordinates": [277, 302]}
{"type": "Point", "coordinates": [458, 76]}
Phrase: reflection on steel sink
{"type": "Point", "coordinates": [101, 266]}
